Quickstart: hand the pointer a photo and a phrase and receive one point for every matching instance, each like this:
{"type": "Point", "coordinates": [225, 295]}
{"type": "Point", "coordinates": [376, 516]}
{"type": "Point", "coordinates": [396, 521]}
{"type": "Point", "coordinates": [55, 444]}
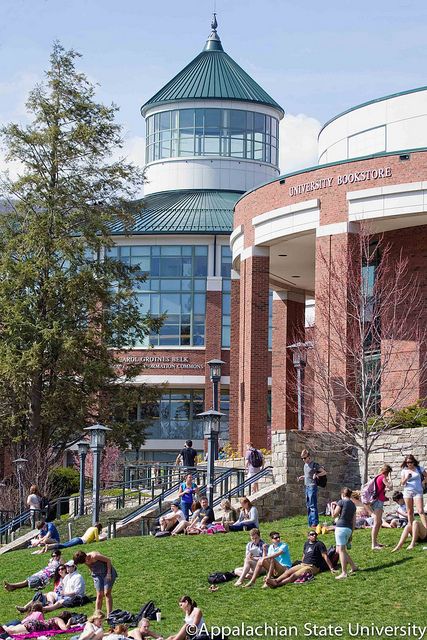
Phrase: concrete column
{"type": "Point", "coordinates": [213, 331]}
{"type": "Point", "coordinates": [288, 328]}
{"type": "Point", "coordinates": [234, 359]}
{"type": "Point", "coordinates": [331, 361]}
{"type": "Point", "coordinates": [253, 347]}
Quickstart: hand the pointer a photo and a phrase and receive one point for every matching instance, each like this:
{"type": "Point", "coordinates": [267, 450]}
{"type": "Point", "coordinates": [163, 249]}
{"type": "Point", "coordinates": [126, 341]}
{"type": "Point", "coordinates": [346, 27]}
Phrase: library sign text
{"type": "Point", "coordinates": [162, 362]}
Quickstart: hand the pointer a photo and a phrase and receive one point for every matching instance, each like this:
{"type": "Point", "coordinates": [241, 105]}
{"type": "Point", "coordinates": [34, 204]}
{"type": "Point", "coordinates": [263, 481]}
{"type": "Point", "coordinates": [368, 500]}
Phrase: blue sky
{"type": "Point", "coordinates": [316, 59]}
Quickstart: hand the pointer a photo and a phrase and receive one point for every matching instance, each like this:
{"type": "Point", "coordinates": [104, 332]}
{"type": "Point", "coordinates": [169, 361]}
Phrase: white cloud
{"type": "Point", "coordinates": [298, 142]}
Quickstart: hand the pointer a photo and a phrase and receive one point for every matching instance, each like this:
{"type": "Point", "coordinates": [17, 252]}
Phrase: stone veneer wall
{"type": "Point", "coordinates": [288, 497]}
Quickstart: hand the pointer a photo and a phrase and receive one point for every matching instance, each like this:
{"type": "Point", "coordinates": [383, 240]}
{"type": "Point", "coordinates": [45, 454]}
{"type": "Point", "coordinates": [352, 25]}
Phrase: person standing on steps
{"type": "Point", "coordinates": [312, 471]}
{"type": "Point", "coordinates": [187, 457]}
{"type": "Point", "coordinates": [254, 462]}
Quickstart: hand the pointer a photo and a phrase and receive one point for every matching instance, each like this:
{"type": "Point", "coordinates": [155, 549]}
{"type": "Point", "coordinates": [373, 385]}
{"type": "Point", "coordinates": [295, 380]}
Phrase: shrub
{"type": "Point", "coordinates": [63, 481]}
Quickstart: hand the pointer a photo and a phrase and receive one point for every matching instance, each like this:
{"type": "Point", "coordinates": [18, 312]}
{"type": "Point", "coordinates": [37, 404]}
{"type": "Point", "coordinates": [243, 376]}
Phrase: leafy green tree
{"type": "Point", "coordinates": [66, 309]}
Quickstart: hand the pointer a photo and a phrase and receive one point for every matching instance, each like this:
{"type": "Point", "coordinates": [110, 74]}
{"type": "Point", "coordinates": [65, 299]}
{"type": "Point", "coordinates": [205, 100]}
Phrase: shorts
{"type": "Point", "coordinates": [303, 568]}
{"type": "Point", "coordinates": [253, 471]}
{"type": "Point", "coordinates": [101, 583]}
{"type": "Point", "coordinates": [342, 535]}
{"type": "Point", "coordinates": [377, 504]}
{"type": "Point", "coordinates": [71, 601]}
{"type": "Point", "coordinates": [411, 493]}
{"type": "Point", "coordinates": [37, 582]}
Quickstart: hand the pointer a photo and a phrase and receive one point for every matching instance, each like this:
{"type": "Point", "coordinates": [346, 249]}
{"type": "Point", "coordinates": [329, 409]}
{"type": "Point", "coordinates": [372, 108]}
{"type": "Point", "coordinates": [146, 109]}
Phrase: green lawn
{"type": "Point", "coordinates": [389, 590]}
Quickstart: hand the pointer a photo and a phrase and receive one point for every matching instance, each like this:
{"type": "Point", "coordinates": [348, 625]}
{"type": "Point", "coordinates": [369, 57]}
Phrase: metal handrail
{"type": "Point", "coordinates": [243, 485]}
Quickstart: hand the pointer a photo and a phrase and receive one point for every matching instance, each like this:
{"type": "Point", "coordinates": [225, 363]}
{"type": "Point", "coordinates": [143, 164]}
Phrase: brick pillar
{"type": "Point", "coordinates": [213, 332]}
{"type": "Point", "coordinates": [253, 348]}
{"type": "Point", "coordinates": [288, 328]}
{"type": "Point", "coordinates": [332, 365]}
{"type": "Point", "coordinates": [234, 359]}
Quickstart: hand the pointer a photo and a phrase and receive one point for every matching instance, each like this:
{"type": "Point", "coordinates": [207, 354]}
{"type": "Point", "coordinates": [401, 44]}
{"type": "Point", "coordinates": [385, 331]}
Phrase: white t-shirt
{"type": "Point", "coordinates": [33, 501]}
{"type": "Point", "coordinates": [415, 481]}
{"type": "Point", "coordinates": [74, 583]}
{"type": "Point", "coordinates": [175, 514]}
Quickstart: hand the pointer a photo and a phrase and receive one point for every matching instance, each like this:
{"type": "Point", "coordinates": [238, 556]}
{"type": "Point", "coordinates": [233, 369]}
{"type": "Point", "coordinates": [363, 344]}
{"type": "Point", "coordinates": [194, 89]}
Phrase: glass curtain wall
{"type": "Point", "coordinates": [175, 285]}
{"type": "Point", "coordinates": [226, 296]}
{"type": "Point", "coordinates": [174, 416]}
{"type": "Point", "coordinates": [232, 133]}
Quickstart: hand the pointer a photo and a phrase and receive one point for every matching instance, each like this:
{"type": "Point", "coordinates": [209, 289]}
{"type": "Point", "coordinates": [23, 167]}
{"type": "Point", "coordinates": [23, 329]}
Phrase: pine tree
{"type": "Point", "coordinates": [65, 307]}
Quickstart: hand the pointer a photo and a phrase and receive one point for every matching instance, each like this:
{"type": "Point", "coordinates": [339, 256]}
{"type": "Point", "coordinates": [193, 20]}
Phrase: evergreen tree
{"type": "Point", "coordinates": [65, 307]}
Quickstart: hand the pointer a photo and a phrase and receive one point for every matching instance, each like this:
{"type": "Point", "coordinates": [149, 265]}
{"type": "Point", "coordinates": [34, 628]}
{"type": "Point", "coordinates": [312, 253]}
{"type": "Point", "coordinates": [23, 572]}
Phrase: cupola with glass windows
{"type": "Point", "coordinates": [211, 127]}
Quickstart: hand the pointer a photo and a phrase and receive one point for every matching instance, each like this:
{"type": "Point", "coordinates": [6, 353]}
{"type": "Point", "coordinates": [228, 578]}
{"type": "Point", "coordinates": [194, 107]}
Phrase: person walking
{"type": "Point", "coordinates": [345, 511]}
{"type": "Point", "coordinates": [312, 471]}
{"type": "Point", "coordinates": [34, 502]}
{"type": "Point", "coordinates": [254, 461]}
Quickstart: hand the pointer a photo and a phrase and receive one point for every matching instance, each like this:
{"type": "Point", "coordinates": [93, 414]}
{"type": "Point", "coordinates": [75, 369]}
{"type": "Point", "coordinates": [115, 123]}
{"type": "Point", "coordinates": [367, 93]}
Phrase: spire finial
{"type": "Point", "coordinates": [213, 42]}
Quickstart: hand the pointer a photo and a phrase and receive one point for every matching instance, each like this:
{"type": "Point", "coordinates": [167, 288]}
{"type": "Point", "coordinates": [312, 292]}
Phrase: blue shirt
{"type": "Point", "coordinates": [51, 530]}
{"type": "Point", "coordinates": [285, 557]}
{"type": "Point", "coordinates": [189, 492]}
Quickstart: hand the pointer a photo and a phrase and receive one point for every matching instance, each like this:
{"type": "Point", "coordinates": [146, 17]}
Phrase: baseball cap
{"type": "Point", "coordinates": [70, 563]}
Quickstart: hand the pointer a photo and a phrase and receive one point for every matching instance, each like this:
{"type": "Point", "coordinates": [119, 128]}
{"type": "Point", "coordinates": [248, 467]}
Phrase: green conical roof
{"type": "Point", "coordinates": [212, 75]}
{"type": "Point", "coordinates": [198, 211]}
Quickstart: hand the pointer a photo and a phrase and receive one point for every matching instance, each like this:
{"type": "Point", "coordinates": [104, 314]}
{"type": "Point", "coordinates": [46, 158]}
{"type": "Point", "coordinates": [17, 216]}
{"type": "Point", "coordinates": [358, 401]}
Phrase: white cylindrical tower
{"type": "Point", "coordinates": [211, 127]}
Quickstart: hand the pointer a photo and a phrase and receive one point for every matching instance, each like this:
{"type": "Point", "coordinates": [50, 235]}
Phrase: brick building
{"type": "Point", "coordinates": [372, 171]}
{"type": "Point", "coordinates": [211, 134]}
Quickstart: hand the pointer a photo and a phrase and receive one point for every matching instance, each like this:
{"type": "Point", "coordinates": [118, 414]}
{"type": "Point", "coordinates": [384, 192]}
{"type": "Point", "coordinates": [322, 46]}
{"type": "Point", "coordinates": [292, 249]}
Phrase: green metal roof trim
{"type": "Point", "coordinates": [212, 75]}
{"type": "Point", "coordinates": [189, 211]}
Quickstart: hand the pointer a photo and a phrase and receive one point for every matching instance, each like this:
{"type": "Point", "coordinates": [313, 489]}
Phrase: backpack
{"type": "Point", "coordinates": [148, 610]}
{"type": "Point", "coordinates": [368, 492]}
{"type": "Point", "coordinates": [162, 534]}
{"type": "Point", "coordinates": [321, 481]}
{"type": "Point", "coordinates": [218, 577]}
{"type": "Point", "coordinates": [118, 616]}
{"type": "Point", "coordinates": [333, 556]}
{"type": "Point", "coordinates": [78, 619]}
{"type": "Point", "coordinates": [255, 458]}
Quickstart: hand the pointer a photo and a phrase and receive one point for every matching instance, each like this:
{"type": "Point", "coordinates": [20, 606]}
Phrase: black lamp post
{"type": "Point", "coordinates": [20, 464]}
{"type": "Point", "coordinates": [83, 448]}
{"type": "Point", "coordinates": [299, 359]}
{"type": "Point", "coordinates": [215, 367]}
{"type": "Point", "coordinates": [212, 420]}
{"type": "Point", "coordinates": [215, 376]}
{"type": "Point", "coordinates": [97, 444]}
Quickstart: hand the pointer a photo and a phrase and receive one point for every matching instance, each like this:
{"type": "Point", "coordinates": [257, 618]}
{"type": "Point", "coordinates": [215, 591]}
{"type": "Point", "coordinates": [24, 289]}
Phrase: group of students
{"type": "Point", "coordinates": [193, 515]}
{"type": "Point", "coordinates": [69, 585]}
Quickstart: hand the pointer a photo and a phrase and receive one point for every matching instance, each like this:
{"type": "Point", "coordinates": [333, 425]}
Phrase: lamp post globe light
{"type": "Point", "coordinates": [83, 448]}
{"type": "Point", "coordinates": [20, 464]}
{"type": "Point", "coordinates": [97, 443]}
{"type": "Point", "coordinates": [299, 359]}
{"type": "Point", "coordinates": [212, 421]}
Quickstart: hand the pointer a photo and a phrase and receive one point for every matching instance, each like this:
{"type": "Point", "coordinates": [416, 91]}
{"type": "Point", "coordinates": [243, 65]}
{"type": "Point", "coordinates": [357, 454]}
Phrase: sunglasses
{"type": "Point", "coordinates": [276, 538]}
{"type": "Point", "coordinates": [305, 458]}
{"type": "Point", "coordinates": [312, 534]}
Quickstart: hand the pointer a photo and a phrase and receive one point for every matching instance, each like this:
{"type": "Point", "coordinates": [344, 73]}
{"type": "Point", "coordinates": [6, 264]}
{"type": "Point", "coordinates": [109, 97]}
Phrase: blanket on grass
{"type": "Point", "coordinates": [38, 634]}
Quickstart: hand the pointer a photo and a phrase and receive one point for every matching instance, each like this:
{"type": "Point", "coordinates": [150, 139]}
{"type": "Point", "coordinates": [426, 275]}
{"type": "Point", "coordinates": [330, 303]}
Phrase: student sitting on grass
{"type": "Point", "coordinates": [48, 534]}
{"type": "Point", "coordinates": [314, 559]}
{"type": "Point", "coordinates": [143, 631]}
{"type": "Point", "coordinates": [35, 622]}
{"type": "Point", "coordinates": [193, 619]}
{"type": "Point", "coordinates": [37, 580]}
{"type": "Point", "coordinates": [93, 628]}
{"type": "Point", "coordinates": [248, 517]}
{"type": "Point", "coordinates": [170, 520]}
{"type": "Point", "coordinates": [254, 551]}
{"type": "Point", "coordinates": [202, 520]}
{"type": "Point", "coordinates": [52, 596]}
{"type": "Point", "coordinates": [418, 532]}
{"type": "Point", "coordinates": [229, 514]}
{"type": "Point", "coordinates": [275, 560]}
{"type": "Point", "coordinates": [398, 517]}
{"type": "Point", "coordinates": [119, 632]}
